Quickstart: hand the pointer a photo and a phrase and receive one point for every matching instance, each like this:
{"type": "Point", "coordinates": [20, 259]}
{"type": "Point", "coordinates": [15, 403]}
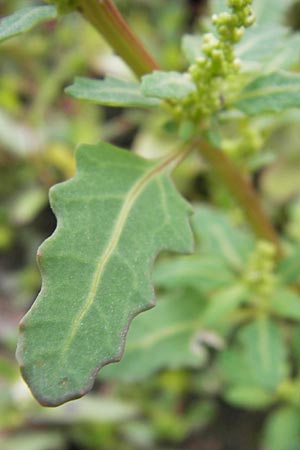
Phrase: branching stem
{"type": "Point", "coordinates": [107, 19]}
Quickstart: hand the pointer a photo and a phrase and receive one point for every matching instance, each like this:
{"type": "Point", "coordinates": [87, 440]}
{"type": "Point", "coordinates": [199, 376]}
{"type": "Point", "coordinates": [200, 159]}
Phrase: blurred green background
{"type": "Point", "coordinates": [202, 395]}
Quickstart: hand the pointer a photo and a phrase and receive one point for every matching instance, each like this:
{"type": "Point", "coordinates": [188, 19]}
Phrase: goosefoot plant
{"type": "Point", "coordinates": [120, 210]}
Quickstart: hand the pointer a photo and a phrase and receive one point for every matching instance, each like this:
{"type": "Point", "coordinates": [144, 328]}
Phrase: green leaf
{"type": "Point", "coordinates": [203, 273]}
{"type": "Point", "coordinates": [282, 430]}
{"type": "Point", "coordinates": [110, 91]}
{"type": "Point", "coordinates": [289, 267]}
{"type": "Point", "coordinates": [233, 367]}
{"type": "Point", "coordinates": [25, 19]}
{"type": "Point", "coordinates": [268, 47]}
{"type": "Point", "coordinates": [257, 358]}
{"type": "Point", "coordinates": [286, 303]}
{"type": "Point", "coordinates": [114, 217]}
{"type": "Point", "coordinates": [217, 235]}
{"type": "Point", "coordinates": [271, 11]}
{"type": "Point", "coordinates": [167, 85]}
{"type": "Point", "coordinates": [264, 351]}
{"type": "Point", "coordinates": [221, 305]}
{"type": "Point", "coordinates": [274, 92]}
{"type": "Point", "coordinates": [247, 396]}
{"type": "Point", "coordinates": [162, 338]}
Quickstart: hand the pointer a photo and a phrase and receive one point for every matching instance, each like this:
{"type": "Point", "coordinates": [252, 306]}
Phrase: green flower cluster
{"type": "Point", "coordinates": [218, 61]}
{"type": "Point", "coordinates": [259, 276]}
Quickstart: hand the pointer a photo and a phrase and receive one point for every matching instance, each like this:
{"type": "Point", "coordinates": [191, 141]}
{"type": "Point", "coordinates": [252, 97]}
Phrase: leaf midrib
{"type": "Point", "coordinates": [113, 241]}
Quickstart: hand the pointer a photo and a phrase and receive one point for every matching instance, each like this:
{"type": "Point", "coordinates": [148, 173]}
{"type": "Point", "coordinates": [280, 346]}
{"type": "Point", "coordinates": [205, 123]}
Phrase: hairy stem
{"type": "Point", "coordinates": [243, 192]}
{"type": "Point", "coordinates": [107, 19]}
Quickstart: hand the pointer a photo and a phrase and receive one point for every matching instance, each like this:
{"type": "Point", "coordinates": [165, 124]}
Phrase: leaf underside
{"type": "Point", "coordinates": [110, 91]}
{"type": "Point", "coordinates": [114, 217]}
{"type": "Point", "coordinates": [25, 19]}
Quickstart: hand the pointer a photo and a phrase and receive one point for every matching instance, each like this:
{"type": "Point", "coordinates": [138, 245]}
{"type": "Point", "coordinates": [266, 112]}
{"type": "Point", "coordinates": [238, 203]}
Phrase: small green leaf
{"type": "Point", "coordinates": [114, 217]}
{"type": "Point", "coordinates": [217, 235]}
{"type": "Point", "coordinates": [167, 85]}
{"type": "Point", "coordinates": [203, 273]}
{"type": "Point", "coordinates": [286, 303]}
{"type": "Point", "coordinates": [221, 305]}
{"type": "Point", "coordinates": [247, 396]}
{"type": "Point", "coordinates": [162, 338]}
{"type": "Point", "coordinates": [264, 351]}
{"type": "Point", "coordinates": [270, 11]}
{"type": "Point", "coordinates": [110, 91]}
{"type": "Point", "coordinates": [274, 92]}
{"type": "Point", "coordinates": [25, 19]}
{"type": "Point", "coordinates": [282, 430]}
{"type": "Point", "coordinates": [289, 267]}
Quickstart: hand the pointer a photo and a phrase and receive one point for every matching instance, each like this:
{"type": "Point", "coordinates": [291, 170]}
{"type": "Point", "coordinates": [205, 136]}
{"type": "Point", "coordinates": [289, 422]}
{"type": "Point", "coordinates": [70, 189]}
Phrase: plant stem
{"type": "Point", "coordinates": [243, 192]}
{"type": "Point", "coordinates": [107, 19]}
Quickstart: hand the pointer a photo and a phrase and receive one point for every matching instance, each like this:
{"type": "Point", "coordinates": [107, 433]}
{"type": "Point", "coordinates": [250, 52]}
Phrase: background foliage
{"type": "Point", "coordinates": [216, 364]}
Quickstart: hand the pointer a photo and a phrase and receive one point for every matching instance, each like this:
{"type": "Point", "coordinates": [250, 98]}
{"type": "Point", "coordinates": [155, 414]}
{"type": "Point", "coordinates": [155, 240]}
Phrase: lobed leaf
{"type": "Point", "coordinates": [274, 92]}
{"type": "Point", "coordinates": [114, 217]}
{"type": "Point", "coordinates": [110, 91]}
{"type": "Point", "coordinates": [167, 85]}
{"type": "Point", "coordinates": [25, 19]}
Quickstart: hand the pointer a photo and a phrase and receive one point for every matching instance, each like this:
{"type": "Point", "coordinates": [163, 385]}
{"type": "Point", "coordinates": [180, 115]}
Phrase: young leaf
{"type": "Point", "coordinates": [110, 91]}
{"type": "Point", "coordinates": [114, 217]}
{"type": "Point", "coordinates": [289, 267]}
{"type": "Point", "coordinates": [25, 19]}
{"type": "Point", "coordinates": [286, 303]}
{"type": "Point", "coordinates": [167, 85]}
{"type": "Point", "coordinates": [203, 273]}
{"type": "Point", "coordinates": [274, 92]}
{"type": "Point", "coordinates": [282, 429]}
{"type": "Point", "coordinates": [217, 235]}
{"type": "Point", "coordinates": [264, 351]}
{"type": "Point", "coordinates": [247, 396]}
